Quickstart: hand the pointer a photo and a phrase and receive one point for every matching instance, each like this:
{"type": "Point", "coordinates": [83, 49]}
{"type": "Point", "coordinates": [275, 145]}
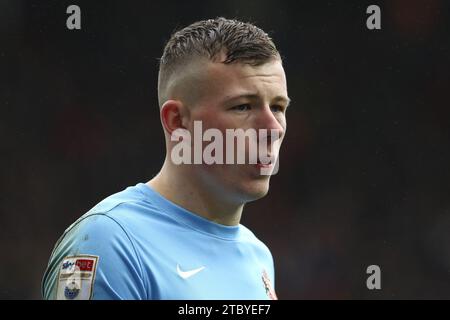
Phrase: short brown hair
{"type": "Point", "coordinates": [239, 41]}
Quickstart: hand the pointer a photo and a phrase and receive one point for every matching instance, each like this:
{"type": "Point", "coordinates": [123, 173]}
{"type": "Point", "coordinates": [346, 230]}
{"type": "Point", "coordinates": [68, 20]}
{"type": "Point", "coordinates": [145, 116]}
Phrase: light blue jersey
{"type": "Point", "coordinates": [136, 244]}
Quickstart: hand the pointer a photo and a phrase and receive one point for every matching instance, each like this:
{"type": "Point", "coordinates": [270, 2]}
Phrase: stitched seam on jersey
{"type": "Point", "coordinates": [75, 223]}
{"type": "Point", "coordinates": [105, 213]}
{"type": "Point", "coordinates": [132, 244]}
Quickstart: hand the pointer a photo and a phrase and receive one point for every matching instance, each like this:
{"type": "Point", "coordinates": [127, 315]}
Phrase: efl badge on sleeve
{"type": "Point", "coordinates": [268, 286]}
{"type": "Point", "coordinates": [76, 277]}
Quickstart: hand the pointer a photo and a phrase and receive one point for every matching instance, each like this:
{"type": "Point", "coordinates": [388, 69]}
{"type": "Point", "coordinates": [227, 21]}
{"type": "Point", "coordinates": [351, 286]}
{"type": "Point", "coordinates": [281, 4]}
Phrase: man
{"type": "Point", "coordinates": [178, 236]}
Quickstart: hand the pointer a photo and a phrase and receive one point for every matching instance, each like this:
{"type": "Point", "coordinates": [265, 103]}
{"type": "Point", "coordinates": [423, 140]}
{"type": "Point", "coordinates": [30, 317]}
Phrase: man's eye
{"type": "Point", "coordinates": [277, 108]}
{"type": "Point", "coordinates": [242, 107]}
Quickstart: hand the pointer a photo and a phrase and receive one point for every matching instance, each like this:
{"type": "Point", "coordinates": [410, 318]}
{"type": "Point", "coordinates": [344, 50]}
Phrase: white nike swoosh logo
{"type": "Point", "coordinates": [188, 274]}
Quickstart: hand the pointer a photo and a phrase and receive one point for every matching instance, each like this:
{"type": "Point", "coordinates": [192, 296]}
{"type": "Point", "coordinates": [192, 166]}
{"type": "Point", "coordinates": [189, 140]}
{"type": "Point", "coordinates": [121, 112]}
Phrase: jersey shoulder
{"type": "Point", "coordinates": [100, 233]}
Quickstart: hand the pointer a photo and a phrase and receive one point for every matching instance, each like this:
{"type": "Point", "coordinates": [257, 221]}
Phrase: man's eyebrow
{"type": "Point", "coordinates": [255, 96]}
{"type": "Point", "coordinates": [287, 100]}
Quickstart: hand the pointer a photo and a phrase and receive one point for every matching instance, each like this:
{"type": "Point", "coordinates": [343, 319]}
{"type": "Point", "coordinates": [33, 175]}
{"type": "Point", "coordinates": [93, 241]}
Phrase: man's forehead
{"type": "Point", "coordinates": [234, 80]}
{"type": "Point", "coordinates": [239, 70]}
{"type": "Point", "coordinates": [205, 79]}
{"type": "Point", "coordinates": [229, 78]}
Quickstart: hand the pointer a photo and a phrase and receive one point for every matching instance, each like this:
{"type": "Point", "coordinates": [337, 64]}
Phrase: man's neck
{"type": "Point", "coordinates": [184, 191]}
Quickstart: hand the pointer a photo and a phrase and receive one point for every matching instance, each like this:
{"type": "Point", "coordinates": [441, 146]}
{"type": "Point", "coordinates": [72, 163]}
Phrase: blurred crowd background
{"type": "Point", "coordinates": [364, 172]}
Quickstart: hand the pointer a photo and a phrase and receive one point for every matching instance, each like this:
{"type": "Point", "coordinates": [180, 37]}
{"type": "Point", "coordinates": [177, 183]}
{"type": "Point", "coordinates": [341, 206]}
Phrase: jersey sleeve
{"type": "Point", "coordinates": [94, 259]}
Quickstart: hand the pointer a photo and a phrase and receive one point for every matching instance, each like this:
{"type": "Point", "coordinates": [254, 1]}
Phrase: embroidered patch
{"type": "Point", "coordinates": [76, 277]}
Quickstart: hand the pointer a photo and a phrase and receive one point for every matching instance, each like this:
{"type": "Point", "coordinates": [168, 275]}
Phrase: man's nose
{"type": "Point", "coordinates": [267, 120]}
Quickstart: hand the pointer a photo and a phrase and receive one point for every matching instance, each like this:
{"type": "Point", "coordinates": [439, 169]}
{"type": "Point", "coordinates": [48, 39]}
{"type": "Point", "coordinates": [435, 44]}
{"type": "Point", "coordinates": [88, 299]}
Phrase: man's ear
{"type": "Point", "coordinates": [173, 115]}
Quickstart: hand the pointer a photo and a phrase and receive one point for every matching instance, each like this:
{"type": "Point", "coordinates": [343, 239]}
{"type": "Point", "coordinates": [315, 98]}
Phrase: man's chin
{"type": "Point", "coordinates": [255, 190]}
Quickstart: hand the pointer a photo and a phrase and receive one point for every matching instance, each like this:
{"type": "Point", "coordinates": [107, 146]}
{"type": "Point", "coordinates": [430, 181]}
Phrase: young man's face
{"type": "Point", "coordinates": [240, 96]}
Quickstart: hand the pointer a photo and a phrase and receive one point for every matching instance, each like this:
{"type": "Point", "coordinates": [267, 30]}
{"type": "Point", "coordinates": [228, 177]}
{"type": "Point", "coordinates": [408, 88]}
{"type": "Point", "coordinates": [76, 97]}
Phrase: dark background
{"type": "Point", "coordinates": [364, 172]}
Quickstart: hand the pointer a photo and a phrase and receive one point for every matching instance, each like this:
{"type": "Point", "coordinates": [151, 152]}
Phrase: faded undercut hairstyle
{"type": "Point", "coordinates": [238, 41]}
